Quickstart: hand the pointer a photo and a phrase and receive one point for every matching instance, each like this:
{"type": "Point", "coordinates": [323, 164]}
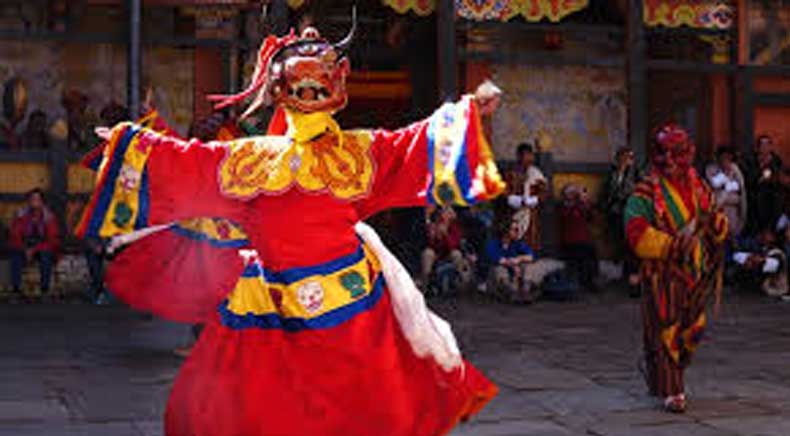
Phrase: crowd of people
{"type": "Point", "coordinates": [496, 248]}
{"type": "Point", "coordinates": [36, 130]}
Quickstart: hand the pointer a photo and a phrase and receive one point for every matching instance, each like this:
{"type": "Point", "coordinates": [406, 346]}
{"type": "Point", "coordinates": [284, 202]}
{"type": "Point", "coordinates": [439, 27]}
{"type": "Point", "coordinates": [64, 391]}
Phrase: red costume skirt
{"type": "Point", "coordinates": [359, 377]}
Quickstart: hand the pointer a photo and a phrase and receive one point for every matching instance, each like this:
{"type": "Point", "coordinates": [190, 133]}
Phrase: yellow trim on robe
{"type": "Point", "coordinates": [210, 228]}
{"type": "Point", "coordinates": [126, 192]}
{"type": "Point", "coordinates": [653, 244]}
{"type": "Point", "coordinates": [447, 146]}
{"type": "Point", "coordinates": [309, 297]}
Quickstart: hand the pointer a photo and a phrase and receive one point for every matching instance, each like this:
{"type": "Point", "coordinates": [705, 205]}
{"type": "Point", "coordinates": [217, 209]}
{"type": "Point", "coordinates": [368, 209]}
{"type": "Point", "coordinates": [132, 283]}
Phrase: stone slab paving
{"type": "Point", "coordinates": [563, 369]}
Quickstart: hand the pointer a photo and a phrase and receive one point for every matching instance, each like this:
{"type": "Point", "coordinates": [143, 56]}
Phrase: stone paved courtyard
{"type": "Point", "coordinates": [563, 369]}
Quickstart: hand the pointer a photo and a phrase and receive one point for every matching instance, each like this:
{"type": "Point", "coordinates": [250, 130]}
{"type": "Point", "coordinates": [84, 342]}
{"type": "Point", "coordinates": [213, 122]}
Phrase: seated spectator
{"type": "Point", "coordinates": [507, 258]}
{"type": "Point", "coordinates": [444, 265]}
{"type": "Point", "coordinates": [762, 261]}
{"type": "Point", "coordinates": [34, 237]}
{"type": "Point", "coordinates": [36, 135]}
{"type": "Point", "coordinates": [576, 244]}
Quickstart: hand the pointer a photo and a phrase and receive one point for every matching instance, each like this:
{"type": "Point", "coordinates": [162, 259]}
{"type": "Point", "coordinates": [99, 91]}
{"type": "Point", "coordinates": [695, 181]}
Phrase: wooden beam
{"type": "Point", "coordinates": [19, 197]}
{"type": "Point", "coordinates": [689, 66]}
{"type": "Point", "coordinates": [134, 57]}
{"type": "Point", "coordinates": [636, 47]}
{"type": "Point", "coordinates": [448, 59]}
{"type": "Point", "coordinates": [772, 99]}
{"type": "Point", "coordinates": [24, 156]}
{"type": "Point", "coordinates": [745, 84]}
{"type": "Point", "coordinates": [563, 26]}
{"type": "Point", "coordinates": [542, 58]}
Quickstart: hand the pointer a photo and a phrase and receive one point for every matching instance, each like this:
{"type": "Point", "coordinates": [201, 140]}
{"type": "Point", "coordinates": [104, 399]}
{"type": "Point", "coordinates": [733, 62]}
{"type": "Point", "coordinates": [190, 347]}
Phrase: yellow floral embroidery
{"type": "Point", "coordinates": [317, 157]}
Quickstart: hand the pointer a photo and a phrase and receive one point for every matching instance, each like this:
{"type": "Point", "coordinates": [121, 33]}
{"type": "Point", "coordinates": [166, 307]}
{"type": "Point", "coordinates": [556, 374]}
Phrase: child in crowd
{"type": "Point", "coordinates": [576, 244]}
{"type": "Point", "coordinates": [445, 267]}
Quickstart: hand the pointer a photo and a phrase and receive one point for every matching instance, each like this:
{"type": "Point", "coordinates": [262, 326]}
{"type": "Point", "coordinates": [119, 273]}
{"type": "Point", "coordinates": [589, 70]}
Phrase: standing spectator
{"type": "Point", "coordinates": [527, 186]}
{"type": "Point", "coordinates": [507, 258]}
{"type": "Point", "coordinates": [114, 113]}
{"type": "Point", "coordinates": [619, 185]}
{"type": "Point", "coordinates": [34, 237]}
{"type": "Point", "coordinates": [728, 186]}
{"type": "Point", "coordinates": [576, 241]}
{"type": "Point", "coordinates": [443, 253]}
{"type": "Point", "coordinates": [35, 135]}
{"type": "Point", "coordinates": [768, 195]}
{"type": "Point", "coordinates": [760, 169]}
{"type": "Point", "coordinates": [80, 136]}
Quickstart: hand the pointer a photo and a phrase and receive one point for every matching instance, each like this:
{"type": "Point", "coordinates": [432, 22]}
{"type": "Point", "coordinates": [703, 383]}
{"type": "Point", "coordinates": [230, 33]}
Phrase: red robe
{"type": "Point", "coordinates": [300, 339]}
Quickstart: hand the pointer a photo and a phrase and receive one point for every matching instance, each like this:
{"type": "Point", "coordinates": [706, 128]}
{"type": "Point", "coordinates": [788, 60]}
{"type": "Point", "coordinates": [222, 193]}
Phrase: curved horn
{"type": "Point", "coordinates": [345, 43]}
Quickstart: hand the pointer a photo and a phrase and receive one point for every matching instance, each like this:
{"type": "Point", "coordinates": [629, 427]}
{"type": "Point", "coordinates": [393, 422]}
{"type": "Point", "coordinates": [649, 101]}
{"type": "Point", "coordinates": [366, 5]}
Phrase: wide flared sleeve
{"type": "Point", "coordinates": [146, 178]}
{"type": "Point", "coordinates": [647, 241]}
{"type": "Point", "coordinates": [443, 160]}
{"type": "Point", "coordinates": [182, 273]}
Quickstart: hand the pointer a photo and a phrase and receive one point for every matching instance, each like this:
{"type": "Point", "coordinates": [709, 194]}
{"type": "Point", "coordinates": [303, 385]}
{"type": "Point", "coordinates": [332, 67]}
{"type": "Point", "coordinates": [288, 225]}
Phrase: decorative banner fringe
{"type": "Point", "coordinates": [703, 14]}
{"type": "Point", "coordinates": [498, 10]}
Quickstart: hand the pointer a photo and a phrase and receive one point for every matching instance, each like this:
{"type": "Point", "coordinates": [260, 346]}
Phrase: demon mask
{"type": "Point", "coordinates": [673, 151]}
{"type": "Point", "coordinates": [304, 73]}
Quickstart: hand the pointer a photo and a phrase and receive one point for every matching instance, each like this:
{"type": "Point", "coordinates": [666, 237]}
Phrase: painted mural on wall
{"type": "Point", "coordinates": [94, 76]}
{"type": "Point", "coordinates": [50, 71]}
{"type": "Point", "coordinates": [170, 73]}
{"type": "Point", "coordinates": [576, 113]}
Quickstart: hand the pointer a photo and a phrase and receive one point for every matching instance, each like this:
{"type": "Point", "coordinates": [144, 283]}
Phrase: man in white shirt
{"type": "Point", "coordinates": [527, 187]}
{"type": "Point", "coordinates": [728, 186]}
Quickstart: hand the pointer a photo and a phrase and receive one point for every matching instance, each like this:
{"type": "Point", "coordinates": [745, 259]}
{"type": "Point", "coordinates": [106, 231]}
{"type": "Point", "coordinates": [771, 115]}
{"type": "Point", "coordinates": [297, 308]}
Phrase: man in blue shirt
{"type": "Point", "coordinates": [508, 258]}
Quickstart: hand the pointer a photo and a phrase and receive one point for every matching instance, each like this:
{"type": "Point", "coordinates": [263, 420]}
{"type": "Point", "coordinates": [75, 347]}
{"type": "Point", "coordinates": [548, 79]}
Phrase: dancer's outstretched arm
{"type": "Point", "coordinates": [443, 160]}
{"type": "Point", "coordinates": [148, 178]}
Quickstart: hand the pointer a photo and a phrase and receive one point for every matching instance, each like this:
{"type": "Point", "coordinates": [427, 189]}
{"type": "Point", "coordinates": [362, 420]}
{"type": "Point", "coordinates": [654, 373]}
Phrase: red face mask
{"type": "Point", "coordinates": [305, 74]}
{"type": "Point", "coordinates": [309, 76]}
{"type": "Point", "coordinates": [673, 152]}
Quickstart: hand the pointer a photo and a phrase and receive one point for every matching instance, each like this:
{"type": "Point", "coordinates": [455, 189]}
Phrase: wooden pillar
{"type": "Point", "coordinates": [744, 85]}
{"type": "Point", "coordinates": [637, 79]}
{"type": "Point", "coordinates": [743, 32]}
{"type": "Point", "coordinates": [423, 72]}
{"type": "Point", "coordinates": [209, 78]}
{"type": "Point", "coordinates": [448, 56]}
{"type": "Point", "coordinates": [721, 132]}
{"type": "Point", "coordinates": [746, 108]}
{"type": "Point", "coordinates": [134, 64]}
{"type": "Point", "coordinates": [58, 183]}
{"type": "Point", "coordinates": [277, 18]}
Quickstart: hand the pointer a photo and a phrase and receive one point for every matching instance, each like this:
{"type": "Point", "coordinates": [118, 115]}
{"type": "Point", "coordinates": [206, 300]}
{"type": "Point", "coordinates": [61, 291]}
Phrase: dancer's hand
{"type": "Point", "coordinates": [148, 103]}
{"type": "Point", "coordinates": [104, 133]}
{"type": "Point", "coordinates": [487, 97]}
